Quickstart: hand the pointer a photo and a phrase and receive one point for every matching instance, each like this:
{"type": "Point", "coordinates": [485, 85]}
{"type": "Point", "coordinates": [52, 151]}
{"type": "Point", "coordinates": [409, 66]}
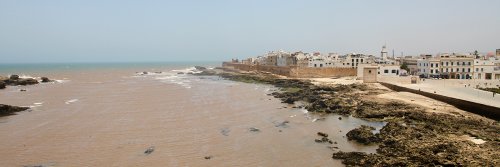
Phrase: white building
{"type": "Point", "coordinates": [388, 70]}
{"type": "Point", "coordinates": [485, 69]}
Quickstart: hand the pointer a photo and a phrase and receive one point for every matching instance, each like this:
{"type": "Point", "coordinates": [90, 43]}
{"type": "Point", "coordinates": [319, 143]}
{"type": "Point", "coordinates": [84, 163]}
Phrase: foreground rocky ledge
{"type": "Point", "coordinates": [411, 137]}
{"type": "Point", "coordinates": [6, 110]}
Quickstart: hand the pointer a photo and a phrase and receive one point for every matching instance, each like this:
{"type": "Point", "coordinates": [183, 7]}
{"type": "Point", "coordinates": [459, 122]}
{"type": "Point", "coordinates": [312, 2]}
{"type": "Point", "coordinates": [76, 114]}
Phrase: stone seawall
{"type": "Point", "coordinates": [294, 71]}
{"type": "Point", "coordinates": [480, 109]}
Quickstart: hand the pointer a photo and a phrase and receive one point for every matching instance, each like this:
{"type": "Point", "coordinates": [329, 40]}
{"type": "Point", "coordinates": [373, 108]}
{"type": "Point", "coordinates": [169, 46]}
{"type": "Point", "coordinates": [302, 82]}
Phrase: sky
{"type": "Point", "coordinates": [36, 31]}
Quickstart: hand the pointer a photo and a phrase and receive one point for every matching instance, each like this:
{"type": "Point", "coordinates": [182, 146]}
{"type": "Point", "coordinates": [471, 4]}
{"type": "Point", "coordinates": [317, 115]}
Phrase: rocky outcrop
{"type": "Point", "coordinates": [411, 137]}
{"type": "Point", "coordinates": [363, 134]}
{"type": "Point", "coordinates": [45, 79]}
{"type": "Point", "coordinates": [14, 77]}
{"type": "Point", "coordinates": [2, 85]}
{"type": "Point", "coordinates": [14, 80]}
{"type": "Point", "coordinates": [6, 110]}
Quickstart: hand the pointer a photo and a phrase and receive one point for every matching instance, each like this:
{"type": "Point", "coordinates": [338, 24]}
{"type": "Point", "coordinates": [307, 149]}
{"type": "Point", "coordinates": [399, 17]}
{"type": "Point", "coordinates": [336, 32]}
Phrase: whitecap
{"type": "Point", "coordinates": [71, 101]}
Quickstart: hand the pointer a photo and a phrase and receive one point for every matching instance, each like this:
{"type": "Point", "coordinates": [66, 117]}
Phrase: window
{"type": "Point", "coordinates": [432, 71]}
{"type": "Point", "coordinates": [361, 60]}
{"type": "Point", "coordinates": [468, 69]}
{"type": "Point", "coordinates": [446, 63]}
{"type": "Point", "coordinates": [437, 71]}
{"type": "Point", "coordinates": [393, 71]}
{"type": "Point", "coordinates": [446, 70]}
{"type": "Point", "coordinates": [463, 69]}
{"type": "Point", "coordinates": [386, 71]}
{"type": "Point", "coordinates": [437, 64]}
{"type": "Point", "coordinates": [452, 63]}
{"type": "Point", "coordinates": [315, 65]}
{"type": "Point", "coordinates": [469, 63]}
{"type": "Point", "coordinates": [477, 69]}
{"type": "Point", "coordinates": [369, 71]}
{"type": "Point", "coordinates": [451, 70]}
{"type": "Point", "coordinates": [458, 69]}
{"type": "Point", "coordinates": [320, 65]}
{"type": "Point", "coordinates": [432, 64]}
{"type": "Point", "coordinates": [463, 63]}
{"type": "Point", "coordinates": [481, 69]}
{"type": "Point", "coordinates": [357, 60]}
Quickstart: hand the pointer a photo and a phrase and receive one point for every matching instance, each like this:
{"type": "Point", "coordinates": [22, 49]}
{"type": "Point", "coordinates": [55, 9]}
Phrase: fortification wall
{"type": "Point", "coordinates": [294, 71]}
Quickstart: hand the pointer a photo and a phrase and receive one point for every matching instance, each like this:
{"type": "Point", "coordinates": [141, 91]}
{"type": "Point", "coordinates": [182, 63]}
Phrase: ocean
{"type": "Point", "coordinates": [109, 114]}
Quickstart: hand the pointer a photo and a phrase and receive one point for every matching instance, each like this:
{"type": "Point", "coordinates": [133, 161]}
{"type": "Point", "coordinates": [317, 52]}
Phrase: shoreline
{"type": "Point", "coordinates": [415, 134]}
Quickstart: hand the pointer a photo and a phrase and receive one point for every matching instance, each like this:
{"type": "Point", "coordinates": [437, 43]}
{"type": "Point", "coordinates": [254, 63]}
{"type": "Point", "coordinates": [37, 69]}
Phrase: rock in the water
{"type": "Point", "coordinates": [208, 157]}
{"type": "Point", "coordinates": [252, 129]}
{"type": "Point", "coordinates": [27, 81]}
{"type": "Point", "coordinates": [149, 150]}
{"type": "Point", "coordinates": [322, 134]}
{"type": "Point", "coordinates": [144, 73]}
{"type": "Point", "coordinates": [10, 110]}
{"type": "Point", "coordinates": [180, 73]}
{"type": "Point", "coordinates": [22, 90]}
{"type": "Point", "coordinates": [200, 68]}
{"type": "Point", "coordinates": [363, 134]}
{"type": "Point", "coordinates": [225, 131]}
{"type": "Point", "coordinates": [14, 77]}
{"type": "Point", "coordinates": [45, 79]}
{"type": "Point", "coordinates": [281, 124]}
{"type": "Point", "coordinates": [2, 85]}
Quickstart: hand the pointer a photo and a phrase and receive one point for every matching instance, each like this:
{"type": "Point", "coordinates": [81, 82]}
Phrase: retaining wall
{"type": "Point", "coordinates": [473, 107]}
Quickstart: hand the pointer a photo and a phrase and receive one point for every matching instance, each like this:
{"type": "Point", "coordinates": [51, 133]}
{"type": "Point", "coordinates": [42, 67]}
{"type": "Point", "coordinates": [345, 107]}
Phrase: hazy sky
{"type": "Point", "coordinates": [188, 30]}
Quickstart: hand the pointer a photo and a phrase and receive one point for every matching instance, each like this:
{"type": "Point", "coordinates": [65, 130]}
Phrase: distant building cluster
{"type": "Point", "coordinates": [443, 65]}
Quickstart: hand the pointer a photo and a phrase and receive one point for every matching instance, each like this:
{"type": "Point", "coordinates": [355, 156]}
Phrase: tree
{"type": "Point", "coordinates": [404, 66]}
{"type": "Point", "coordinates": [476, 54]}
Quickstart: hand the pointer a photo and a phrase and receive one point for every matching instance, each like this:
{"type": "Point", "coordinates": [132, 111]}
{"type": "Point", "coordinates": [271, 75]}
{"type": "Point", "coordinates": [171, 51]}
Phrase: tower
{"type": "Point", "coordinates": [384, 53]}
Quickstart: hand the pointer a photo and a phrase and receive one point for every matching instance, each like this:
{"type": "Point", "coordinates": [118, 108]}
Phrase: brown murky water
{"type": "Point", "coordinates": [110, 117]}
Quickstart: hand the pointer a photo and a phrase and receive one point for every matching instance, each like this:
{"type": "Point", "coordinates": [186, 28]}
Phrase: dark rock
{"type": "Point", "coordinates": [22, 90]}
{"type": "Point", "coordinates": [27, 81]}
{"type": "Point", "coordinates": [225, 131]}
{"type": "Point", "coordinates": [340, 118]}
{"type": "Point", "coordinates": [6, 110]}
{"type": "Point", "coordinates": [252, 129]}
{"type": "Point", "coordinates": [2, 85]}
{"type": "Point", "coordinates": [208, 157]}
{"type": "Point", "coordinates": [149, 150]}
{"type": "Point", "coordinates": [144, 73]}
{"type": "Point", "coordinates": [322, 134]}
{"type": "Point", "coordinates": [180, 73]}
{"type": "Point", "coordinates": [45, 79]}
{"type": "Point", "coordinates": [363, 134]}
{"type": "Point", "coordinates": [289, 100]}
{"type": "Point", "coordinates": [14, 77]}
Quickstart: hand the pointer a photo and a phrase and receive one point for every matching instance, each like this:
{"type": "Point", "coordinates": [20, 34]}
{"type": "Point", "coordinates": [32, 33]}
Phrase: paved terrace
{"type": "Point", "coordinates": [459, 89]}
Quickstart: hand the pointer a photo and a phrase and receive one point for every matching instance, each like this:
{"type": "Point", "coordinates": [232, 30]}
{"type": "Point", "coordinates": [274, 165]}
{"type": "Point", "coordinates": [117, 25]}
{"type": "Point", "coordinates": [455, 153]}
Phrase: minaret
{"type": "Point", "coordinates": [384, 53]}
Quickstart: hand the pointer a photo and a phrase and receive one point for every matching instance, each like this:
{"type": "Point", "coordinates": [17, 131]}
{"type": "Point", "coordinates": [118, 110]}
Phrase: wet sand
{"type": "Point", "coordinates": [109, 118]}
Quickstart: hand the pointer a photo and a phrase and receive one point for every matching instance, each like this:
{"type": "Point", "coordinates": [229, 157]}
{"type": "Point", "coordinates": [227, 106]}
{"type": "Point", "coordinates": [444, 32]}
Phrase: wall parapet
{"type": "Point", "coordinates": [294, 71]}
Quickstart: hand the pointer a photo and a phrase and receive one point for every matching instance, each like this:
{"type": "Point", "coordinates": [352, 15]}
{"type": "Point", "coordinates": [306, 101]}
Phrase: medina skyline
{"type": "Point", "coordinates": [129, 31]}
